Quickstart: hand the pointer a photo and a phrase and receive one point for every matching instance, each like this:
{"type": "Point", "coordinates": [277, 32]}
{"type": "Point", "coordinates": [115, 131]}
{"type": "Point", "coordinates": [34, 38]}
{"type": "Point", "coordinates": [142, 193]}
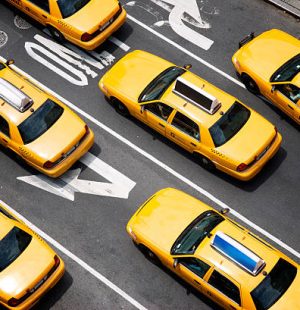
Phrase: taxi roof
{"type": "Point", "coordinates": [32, 91]}
{"type": "Point", "coordinates": [264, 251]}
{"type": "Point", "coordinates": [194, 112]}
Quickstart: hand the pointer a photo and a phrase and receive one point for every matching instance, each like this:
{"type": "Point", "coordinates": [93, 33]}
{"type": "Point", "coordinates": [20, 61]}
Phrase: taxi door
{"type": "Point", "coordinates": [37, 9]}
{"type": "Point", "coordinates": [285, 96]}
{"type": "Point", "coordinates": [155, 114]}
{"type": "Point", "coordinates": [184, 132]}
{"type": "Point", "coordinates": [223, 291]}
{"type": "Point", "coordinates": [192, 270]}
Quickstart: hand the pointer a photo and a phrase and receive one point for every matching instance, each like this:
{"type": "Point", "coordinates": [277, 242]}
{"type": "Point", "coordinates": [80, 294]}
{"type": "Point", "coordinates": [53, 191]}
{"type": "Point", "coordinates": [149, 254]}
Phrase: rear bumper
{"type": "Point", "coordinates": [67, 163]}
{"type": "Point", "coordinates": [99, 39]}
{"type": "Point", "coordinates": [254, 169]}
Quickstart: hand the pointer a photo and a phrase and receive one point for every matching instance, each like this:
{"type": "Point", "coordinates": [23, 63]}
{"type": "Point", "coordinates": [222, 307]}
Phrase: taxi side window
{"type": "Point", "coordinates": [197, 266]}
{"type": "Point", "coordinates": [186, 125]}
{"type": "Point", "coordinates": [290, 91]}
{"type": "Point", "coordinates": [159, 109]}
{"type": "Point", "coordinates": [43, 4]}
{"type": "Point", "coordinates": [4, 127]}
{"type": "Point", "coordinates": [225, 286]}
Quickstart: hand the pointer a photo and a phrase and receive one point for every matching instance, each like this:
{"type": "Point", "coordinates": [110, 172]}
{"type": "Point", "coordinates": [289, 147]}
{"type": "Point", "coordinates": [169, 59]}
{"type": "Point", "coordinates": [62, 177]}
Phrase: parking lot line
{"type": "Point", "coordinates": [161, 164]}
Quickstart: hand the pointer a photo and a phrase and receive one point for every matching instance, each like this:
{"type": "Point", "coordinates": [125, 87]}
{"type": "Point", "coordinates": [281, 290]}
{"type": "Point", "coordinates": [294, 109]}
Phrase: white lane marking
{"type": "Point", "coordinates": [161, 164]}
{"type": "Point", "coordinates": [66, 185]}
{"type": "Point", "coordinates": [207, 64]}
{"type": "Point", "coordinates": [75, 258]}
{"type": "Point", "coordinates": [119, 43]}
{"type": "Point", "coordinates": [175, 19]}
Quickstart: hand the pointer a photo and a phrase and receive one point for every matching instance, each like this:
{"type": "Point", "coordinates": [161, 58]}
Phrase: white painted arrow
{"type": "Point", "coordinates": [68, 183]}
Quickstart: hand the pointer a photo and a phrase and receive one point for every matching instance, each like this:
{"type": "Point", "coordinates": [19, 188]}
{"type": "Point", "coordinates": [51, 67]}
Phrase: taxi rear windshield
{"type": "Point", "coordinates": [68, 8]}
{"type": "Point", "coordinates": [274, 285]}
{"type": "Point", "coordinates": [229, 124]}
{"type": "Point", "coordinates": [12, 245]}
{"type": "Point", "coordinates": [40, 121]}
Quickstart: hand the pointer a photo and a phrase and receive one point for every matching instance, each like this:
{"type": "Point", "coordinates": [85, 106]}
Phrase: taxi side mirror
{"type": "Point", "coordinates": [9, 62]}
{"type": "Point", "coordinates": [273, 88]}
{"type": "Point", "coordinates": [142, 108]}
{"type": "Point", "coordinates": [187, 66]}
{"type": "Point", "coordinates": [175, 263]}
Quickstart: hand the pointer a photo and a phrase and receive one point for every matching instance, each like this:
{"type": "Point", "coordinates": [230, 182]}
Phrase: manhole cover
{"type": "Point", "coordinates": [3, 38]}
{"type": "Point", "coordinates": [21, 23]}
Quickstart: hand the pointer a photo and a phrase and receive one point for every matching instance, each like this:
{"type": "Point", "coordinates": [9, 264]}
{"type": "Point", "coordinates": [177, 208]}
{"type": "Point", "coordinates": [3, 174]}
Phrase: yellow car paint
{"type": "Point", "coordinates": [253, 144]}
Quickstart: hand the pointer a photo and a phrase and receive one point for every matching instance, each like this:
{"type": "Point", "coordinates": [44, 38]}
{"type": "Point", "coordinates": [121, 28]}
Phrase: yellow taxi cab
{"type": "Point", "coordinates": [38, 127]}
{"type": "Point", "coordinates": [86, 23]}
{"type": "Point", "coordinates": [214, 254]}
{"type": "Point", "coordinates": [28, 266]}
{"type": "Point", "coordinates": [269, 65]}
{"type": "Point", "coordinates": [218, 129]}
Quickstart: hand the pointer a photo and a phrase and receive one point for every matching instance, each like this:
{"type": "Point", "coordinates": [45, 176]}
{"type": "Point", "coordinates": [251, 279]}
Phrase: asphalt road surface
{"type": "Point", "coordinates": [103, 268]}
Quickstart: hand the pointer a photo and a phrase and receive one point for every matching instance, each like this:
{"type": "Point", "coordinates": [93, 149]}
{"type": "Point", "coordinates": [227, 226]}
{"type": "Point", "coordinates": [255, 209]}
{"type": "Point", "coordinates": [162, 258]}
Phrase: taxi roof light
{"type": "Point", "coordinates": [238, 253]}
{"type": "Point", "coordinates": [14, 96]}
{"type": "Point", "coordinates": [196, 96]}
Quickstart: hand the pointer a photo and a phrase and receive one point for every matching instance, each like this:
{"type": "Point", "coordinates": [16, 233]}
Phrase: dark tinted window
{"type": "Point", "coordinates": [43, 4]}
{"type": "Point", "coordinates": [192, 236]}
{"type": "Point", "coordinates": [225, 286]}
{"type": "Point", "coordinates": [186, 125]}
{"type": "Point", "coordinates": [68, 8]}
{"type": "Point", "coordinates": [287, 71]}
{"type": "Point", "coordinates": [40, 121]}
{"type": "Point", "coordinates": [2, 66]}
{"type": "Point", "coordinates": [195, 265]}
{"type": "Point", "coordinates": [160, 84]}
{"type": "Point", "coordinates": [274, 285]}
{"type": "Point", "coordinates": [4, 127]}
{"type": "Point", "coordinates": [229, 124]}
{"type": "Point", "coordinates": [290, 91]}
{"type": "Point", "coordinates": [12, 245]}
{"type": "Point", "coordinates": [160, 109]}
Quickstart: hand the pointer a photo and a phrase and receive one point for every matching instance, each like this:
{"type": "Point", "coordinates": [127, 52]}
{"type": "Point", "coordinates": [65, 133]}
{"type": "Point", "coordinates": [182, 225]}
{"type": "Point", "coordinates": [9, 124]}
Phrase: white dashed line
{"type": "Point", "coordinates": [119, 43]}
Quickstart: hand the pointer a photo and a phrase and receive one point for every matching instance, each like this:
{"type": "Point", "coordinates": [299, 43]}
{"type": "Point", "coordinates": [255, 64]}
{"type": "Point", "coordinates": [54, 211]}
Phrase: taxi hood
{"type": "Point", "coordinates": [250, 141]}
{"type": "Point", "coordinates": [155, 220]}
{"type": "Point", "coordinates": [93, 15]}
{"type": "Point", "coordinates": [59, 138]}
{"type": "Point", "coordinates": [131, 74]}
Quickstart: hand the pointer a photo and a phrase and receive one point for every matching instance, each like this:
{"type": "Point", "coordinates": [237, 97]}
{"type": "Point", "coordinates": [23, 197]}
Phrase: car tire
{"type": "Point", "coordinates": [120, 107]}
{"type": "Point", "coordinates": [56, 34]}
{"type": "Point", "coordinates": [205, 162]}
{"type": "Point", "coordinates": [149, 255]}
{"type": "Point", "coordinates": [250, 84]}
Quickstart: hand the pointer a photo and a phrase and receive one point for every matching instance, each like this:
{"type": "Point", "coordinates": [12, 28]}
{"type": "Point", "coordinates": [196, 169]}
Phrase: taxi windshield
{"type": "Point", "coordinates": [274, 285]}
{"type": "Point", "coordinates": [192, 236]}
{"type": "Point", "coordinates": [288, 71]}
{"type": "Point", "coordinates": [12, 245]}
{"type": "Point", "coordinates": [40, 121]}
{"type": "Point", "coordinates": [160, 84]}
{"type": "Point", "coordinates": [229, 124]}
{"type": "Point", "coordinates": [68, 8]}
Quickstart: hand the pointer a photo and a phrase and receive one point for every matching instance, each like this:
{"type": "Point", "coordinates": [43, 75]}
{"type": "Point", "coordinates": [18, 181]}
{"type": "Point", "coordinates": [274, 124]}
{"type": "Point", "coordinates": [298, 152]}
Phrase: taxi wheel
{"type": "Point", "coordinates": [56, 34]}
{"type": "Point", "coordinates": [120, 107]}
{"type": "Point", "coordinates": [149, 255]}
{"type": "Point", "coordinates": [250, 84]}
{"type": "Point", "coordinates": [205, 162]}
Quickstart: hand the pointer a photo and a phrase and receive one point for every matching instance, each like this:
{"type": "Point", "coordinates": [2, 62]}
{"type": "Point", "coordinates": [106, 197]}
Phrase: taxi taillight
{"type": "Point", "coordinates": [48, 164]}
{"type": "Point", "coordinates": [241, 167]}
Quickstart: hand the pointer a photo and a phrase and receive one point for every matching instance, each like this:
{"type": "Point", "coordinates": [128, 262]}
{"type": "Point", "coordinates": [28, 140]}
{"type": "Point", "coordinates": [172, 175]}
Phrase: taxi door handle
{"type": "Point", "coordinates": [162, 125]}
{"type": "Point", "coordinates": [232, 307]}
{"type": "Point", "coordinates": [290, 107]}
{"type": "Point", "coordinates": [44, 16]}
{"type": "Point", "coordinates": [172, 135]}
{"type": "Point", "coordinates": [197, 282]}
{"type": "Point", "coordinates": [193, 144]}
{"type": "Point", "coordinates": [5, 140]}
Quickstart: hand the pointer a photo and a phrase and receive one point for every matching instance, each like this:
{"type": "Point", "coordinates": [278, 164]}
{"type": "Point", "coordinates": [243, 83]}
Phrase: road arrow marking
{"type": "Point", "coordinates": [66, 185]}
